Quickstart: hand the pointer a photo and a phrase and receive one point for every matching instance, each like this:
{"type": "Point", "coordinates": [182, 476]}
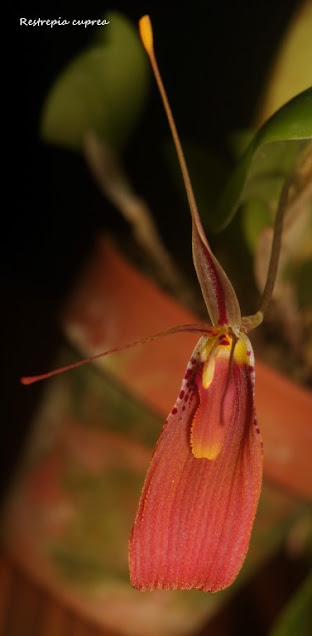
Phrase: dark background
{"type": "Point", "coordinates": [215, 57]}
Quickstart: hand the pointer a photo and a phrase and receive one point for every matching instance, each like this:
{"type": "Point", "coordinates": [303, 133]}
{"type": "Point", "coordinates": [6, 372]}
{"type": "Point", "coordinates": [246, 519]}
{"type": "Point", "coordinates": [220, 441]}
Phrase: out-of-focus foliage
{"type": "Point", "coordinates": [103, 89]}
{"type": "Point", "coordinates": [260, 173]}
{"type": "Point", "coordinates": [265, 166]}
{"type": "Point", "coordinates": [208, 173]}
{"type": "Point", "coordinates": [292, 69]}
{"type": "Point", "coordinates": [297, 616]}
{"type": "Point", "coordinates": [268, 158]}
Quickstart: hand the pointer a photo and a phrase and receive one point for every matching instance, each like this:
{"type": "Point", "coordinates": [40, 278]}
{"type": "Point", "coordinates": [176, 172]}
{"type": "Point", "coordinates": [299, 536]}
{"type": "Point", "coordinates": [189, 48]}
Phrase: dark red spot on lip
{"type": "Point", "coordinates": [251, 369]}
{"type": "Point", "coordinates": [258, 430]}
{"type": "Point", "coordinates": [193, 360]}
{"type": "Point", "coordinates": [224, 341]}
{"type": "Point", "coordinates": [183, 408]}
{"type": "Point", "coordinates": [181, 394]}
{"type": "Point", "coordinates": [188, 373]}
{"type": "Point", "coordinates": [249, 352]}
{"type": "Point", "coordinates": [174, 411]}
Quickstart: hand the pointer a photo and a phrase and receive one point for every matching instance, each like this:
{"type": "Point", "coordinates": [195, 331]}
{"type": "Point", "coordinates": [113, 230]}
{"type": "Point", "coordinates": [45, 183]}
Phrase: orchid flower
{"type": "Point", "coordinates": [201, 492]}
{"type": "Point", "coordinates": [202, 488]}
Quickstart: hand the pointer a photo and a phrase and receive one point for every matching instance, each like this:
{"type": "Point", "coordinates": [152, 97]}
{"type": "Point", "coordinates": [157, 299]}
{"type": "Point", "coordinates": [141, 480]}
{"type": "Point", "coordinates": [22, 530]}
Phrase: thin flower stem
{"type": "Point", "coordinates": [276, 248]}
{"type": "Point", "coordinates": [296, 192]}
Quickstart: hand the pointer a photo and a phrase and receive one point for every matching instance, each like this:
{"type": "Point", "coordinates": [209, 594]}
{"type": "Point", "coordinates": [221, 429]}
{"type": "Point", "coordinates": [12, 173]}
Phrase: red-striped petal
{"type": "Point", "coordinates": [195, 516]}
{"type": "Point", "coordinates": [218, 292]}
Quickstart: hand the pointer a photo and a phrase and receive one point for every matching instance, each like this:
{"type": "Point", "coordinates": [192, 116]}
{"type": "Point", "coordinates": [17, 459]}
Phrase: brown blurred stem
{"type": "Point", "coordinates": [296, 191]}
{"type": "Point", "coordinates": [109, 174]}
{"type": "Point", "coordinates": [276, 248]}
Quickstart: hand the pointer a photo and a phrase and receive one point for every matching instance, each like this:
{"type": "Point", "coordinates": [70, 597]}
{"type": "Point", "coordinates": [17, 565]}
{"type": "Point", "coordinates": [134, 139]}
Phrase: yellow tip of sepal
{"type": "Point", "coordinates": [146, 33]}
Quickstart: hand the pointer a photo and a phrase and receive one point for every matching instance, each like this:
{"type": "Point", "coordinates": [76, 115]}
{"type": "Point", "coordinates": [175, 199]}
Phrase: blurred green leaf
{"type": "Point", "coordinates": [255, 217]}
{"type": "Point", "coordinates": [262, 190]}
{"type": "Point", "coordinates": [271, 153]}
{"type": "Point", "coordinates": [208, 173]}
{"type": "Point", "coordinates": [291, 71]}
{"type": "Point", "coordinates": [239, 141]}
{"type": "Point", "coordinates": [103, 89]}
{"type": "Point", "coordinates": [297, 617]}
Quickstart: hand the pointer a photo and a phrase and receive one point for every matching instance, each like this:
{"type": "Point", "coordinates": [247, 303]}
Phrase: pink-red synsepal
{"type": "Point", "coordinates": [195, 516]}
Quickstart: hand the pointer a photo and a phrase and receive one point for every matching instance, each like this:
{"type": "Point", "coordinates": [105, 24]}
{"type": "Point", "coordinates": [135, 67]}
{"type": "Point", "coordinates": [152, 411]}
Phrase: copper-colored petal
{"type": "Point", "coordinates": [195, 515]}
